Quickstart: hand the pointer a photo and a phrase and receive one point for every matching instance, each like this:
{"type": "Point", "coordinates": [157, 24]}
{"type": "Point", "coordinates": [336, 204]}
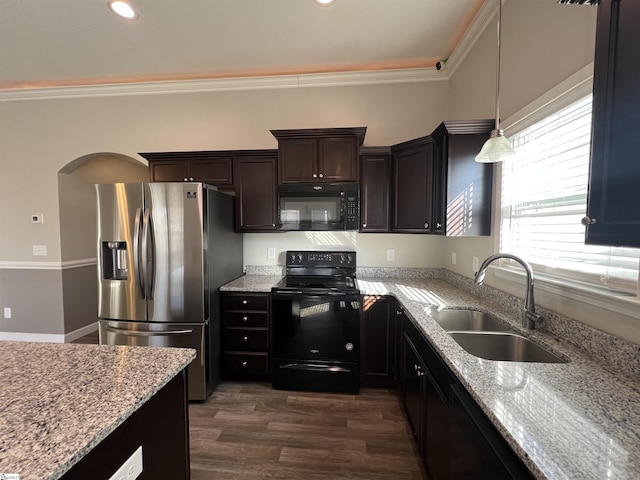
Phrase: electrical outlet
{"type": "Point", "coordinates": [7, 312]}
{"type": "Point", "coordinates": [39, 250]}
{"type": "Point", "coordinates": [453, 258]}
{"type": "Point", "coordinates": [476, 264]}
{"type": "Point", "coordinates": [271, 253]}
{"type": "Point", "coordinates": [131, 469]}
{"type": "Point", "coordinates": [391, 254]}
{"type": "Point", "coordinates": [37, 218]}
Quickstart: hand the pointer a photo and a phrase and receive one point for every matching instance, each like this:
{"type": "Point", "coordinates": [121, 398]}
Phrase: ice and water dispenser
{"type": "Point", "coordinates": [115, 263]}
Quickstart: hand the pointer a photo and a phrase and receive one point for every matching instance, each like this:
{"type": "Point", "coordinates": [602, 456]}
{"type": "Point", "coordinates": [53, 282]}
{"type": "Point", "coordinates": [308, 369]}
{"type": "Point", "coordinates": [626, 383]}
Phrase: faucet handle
{"type": "Point", "coordinates": [531, 319]}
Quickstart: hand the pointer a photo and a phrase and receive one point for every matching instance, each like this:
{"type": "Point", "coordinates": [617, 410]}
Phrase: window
{"type": "Point", "coordinates": [544, 196]}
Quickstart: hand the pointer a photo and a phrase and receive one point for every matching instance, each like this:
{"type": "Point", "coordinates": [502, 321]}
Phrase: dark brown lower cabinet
{"type": "Point", "coordinates": [454, 438]}
{"type": "Point", "coordinates": [245, 335]}
{"type": "Point", "coordinates": [160, 426]}
{"type": "Point", "coordinates": [377, 342]}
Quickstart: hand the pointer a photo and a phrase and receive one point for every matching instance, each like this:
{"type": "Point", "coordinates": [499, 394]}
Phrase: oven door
{"type": "Point", "coordinates": [315, 341]}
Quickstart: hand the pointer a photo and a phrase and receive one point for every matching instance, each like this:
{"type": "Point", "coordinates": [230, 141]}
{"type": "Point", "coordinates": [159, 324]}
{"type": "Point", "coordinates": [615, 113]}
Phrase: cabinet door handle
{"type": "Point", "coordinates": [315, 175]}
{"type": "Point", "coordinates": [438, 225]}
{"type": "Point", "coordinates": [364, 225]}
{"type": "Point", "coordinates": [321, 175]}
{"type": "Point", "coordinates": [191, 179]}
{"type": "Point", "coordinates": [426, 225]}
{"type": "Point", "coordinates": [185, 179]}
{"type": "Point", "coordinates": [589, 221]}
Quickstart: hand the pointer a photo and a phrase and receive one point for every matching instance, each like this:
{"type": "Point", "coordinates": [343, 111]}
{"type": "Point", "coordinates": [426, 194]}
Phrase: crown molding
{"type": "Point", "coordinates": [375, 77]}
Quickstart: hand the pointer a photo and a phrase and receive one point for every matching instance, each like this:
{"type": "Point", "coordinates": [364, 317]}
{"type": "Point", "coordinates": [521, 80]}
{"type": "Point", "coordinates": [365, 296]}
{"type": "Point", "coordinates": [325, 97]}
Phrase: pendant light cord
{"type": "Point", "coordinates": [498, 67]}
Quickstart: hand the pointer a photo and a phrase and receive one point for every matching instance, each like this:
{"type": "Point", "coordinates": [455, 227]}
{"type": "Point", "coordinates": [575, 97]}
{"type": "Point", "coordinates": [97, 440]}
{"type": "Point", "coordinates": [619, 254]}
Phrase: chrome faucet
{"type": "Point", "coordinates": [529, 317]}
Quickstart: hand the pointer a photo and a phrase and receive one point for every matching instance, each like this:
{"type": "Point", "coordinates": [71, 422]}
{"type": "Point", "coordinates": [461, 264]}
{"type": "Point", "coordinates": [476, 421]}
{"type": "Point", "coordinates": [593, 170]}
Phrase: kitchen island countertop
{"type": "Point", "coordinates": [59, 401]}
{"type": "Point", "coordinates": [576, 420]}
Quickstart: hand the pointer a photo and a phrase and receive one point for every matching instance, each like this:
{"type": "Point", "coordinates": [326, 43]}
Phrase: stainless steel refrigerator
{"type": "Point", "coordinates": [164, 249]}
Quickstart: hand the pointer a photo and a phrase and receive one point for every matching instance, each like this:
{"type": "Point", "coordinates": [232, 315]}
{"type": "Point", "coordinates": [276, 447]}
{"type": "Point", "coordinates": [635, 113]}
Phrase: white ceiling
{"type": "Point", "coordinates": [54, 43]}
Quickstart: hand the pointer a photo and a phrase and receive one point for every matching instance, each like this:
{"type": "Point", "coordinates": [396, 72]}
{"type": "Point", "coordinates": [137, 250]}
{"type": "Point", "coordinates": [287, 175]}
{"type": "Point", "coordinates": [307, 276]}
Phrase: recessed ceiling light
{"type": "Point", "coordinates": [123, 9]}
{"type": "Point", "coordinates": [325, 3]}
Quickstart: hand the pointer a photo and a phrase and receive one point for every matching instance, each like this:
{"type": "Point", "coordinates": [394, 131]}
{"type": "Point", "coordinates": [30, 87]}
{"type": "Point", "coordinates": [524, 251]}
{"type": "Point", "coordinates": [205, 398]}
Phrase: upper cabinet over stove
{"type": "Point", "coordinates": [326, 155]}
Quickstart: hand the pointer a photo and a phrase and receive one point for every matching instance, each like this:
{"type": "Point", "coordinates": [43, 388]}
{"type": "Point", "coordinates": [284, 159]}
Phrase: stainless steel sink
{"type": "Point", "coordinates": [468, 319]}
{"type": "Point", "coordinates": [504, 346]}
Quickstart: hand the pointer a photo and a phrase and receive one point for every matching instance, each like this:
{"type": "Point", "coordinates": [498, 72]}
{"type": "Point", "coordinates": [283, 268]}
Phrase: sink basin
{"type": "Point", "coordinates": [468, 319]}
{"type": "Point", "coordinates": [504, 346]}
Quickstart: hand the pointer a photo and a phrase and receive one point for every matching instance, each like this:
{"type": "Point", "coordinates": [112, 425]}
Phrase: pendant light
{"type": "Point", "coordinates": [497, 148]}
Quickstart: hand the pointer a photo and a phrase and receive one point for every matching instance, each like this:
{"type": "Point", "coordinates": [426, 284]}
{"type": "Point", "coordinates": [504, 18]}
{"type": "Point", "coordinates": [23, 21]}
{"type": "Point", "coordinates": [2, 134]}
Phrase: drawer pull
{"type": "Point", "coordinates": [244, 363]}
{"type": "Point", "coordinates": [244, 302]}
{"type": "Point", "coordinates": [245, 318]}
{"type": "Point", "coordinates": [245, 338]}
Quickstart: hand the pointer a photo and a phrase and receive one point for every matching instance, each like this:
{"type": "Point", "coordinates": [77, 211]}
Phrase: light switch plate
{"type": "Point", "coordinates": [7, 312]}
{"type": "Point", "coordinates": [271, 253]}
{"type": "Point", "coordinates": [39, 250]}
{"type": "Point", "coordinates": [391, 254]}
{"type": "Point", "coordinates": [131, 469]}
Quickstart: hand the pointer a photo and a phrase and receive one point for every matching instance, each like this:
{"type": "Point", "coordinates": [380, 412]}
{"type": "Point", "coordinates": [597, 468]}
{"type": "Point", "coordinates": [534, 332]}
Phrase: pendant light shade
{"type": "Point", "coordinates": [497, 148]}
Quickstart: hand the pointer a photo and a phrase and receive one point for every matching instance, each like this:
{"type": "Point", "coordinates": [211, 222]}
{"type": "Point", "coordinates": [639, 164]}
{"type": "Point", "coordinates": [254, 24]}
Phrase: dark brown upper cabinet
{"type": "Point", "coordinates": [256, 207]}
{"type": "Point", "coordinates": [437, 185]}
{"type": "Point", "coordinates": [375, 172]}
{"type": "Point", "coordinates": [613, 215]}
{"type": "Point", "coordinates": [318, 155]}
{"type": "Point", "coordinates": [214, 168]}
{"type": "Point", "coordinates": [462, 188]}
{"type": "Point", "coordinates": [413, 186]}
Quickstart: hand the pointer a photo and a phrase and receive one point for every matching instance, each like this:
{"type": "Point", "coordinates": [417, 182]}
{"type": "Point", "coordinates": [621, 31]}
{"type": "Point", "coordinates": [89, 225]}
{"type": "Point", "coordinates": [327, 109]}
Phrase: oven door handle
{"type": "Point", "coordinates": [315, 367]}
{"type": "Point", "coordinates": [302, 294]}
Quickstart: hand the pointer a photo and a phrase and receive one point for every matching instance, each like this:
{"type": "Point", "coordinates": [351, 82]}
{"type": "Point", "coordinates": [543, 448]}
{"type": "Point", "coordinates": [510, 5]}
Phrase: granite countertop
{"type": "Point", "coordinates": [576, 420]}
{"type": "Point", "coordinates": [58, 401]}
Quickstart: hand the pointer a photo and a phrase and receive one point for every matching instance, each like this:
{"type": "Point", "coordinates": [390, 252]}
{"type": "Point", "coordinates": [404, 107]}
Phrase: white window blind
{"type": "Point", "coordinates": [544, 197]}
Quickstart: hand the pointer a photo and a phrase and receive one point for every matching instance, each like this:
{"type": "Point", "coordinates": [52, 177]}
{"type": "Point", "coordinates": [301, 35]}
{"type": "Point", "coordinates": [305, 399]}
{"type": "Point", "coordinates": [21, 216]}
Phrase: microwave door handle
{"type": "Point", "coordinates": [136, 253]}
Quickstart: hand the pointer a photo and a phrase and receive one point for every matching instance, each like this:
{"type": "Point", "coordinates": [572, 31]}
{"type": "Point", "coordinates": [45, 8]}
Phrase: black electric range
{"type": "Point", "coordinates": [315, 341]}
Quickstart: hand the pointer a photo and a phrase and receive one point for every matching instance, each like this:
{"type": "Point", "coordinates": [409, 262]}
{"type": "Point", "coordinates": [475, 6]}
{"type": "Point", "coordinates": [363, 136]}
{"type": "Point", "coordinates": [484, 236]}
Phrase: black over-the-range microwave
{"type": "Point", "coordinates": [330, 206]}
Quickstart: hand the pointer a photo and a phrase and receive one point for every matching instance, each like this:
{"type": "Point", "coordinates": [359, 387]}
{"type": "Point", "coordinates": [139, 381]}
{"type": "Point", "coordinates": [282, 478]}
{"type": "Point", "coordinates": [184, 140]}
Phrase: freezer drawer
{"type": "Point", "coordinates": [184, 335]}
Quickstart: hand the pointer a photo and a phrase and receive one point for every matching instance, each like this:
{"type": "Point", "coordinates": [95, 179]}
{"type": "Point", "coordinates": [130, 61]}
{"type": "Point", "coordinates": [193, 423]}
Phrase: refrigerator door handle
{"type": "Point", "coordinates": [148, 254]}
{"type": "Point", "coordinates": [136, 253]}
{"type": "Point", "coordinates": [134, 333]}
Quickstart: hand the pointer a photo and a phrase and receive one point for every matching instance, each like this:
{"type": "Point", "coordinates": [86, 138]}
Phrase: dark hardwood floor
{"type": "Point", "coordinates": [249, 431]}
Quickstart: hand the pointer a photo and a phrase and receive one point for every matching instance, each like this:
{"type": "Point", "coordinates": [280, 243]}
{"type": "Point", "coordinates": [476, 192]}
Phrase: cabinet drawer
{"type": "Point", "coordinates": [245, 319]}
{"type": "Point", "coordinates": [246, 363]}
{"type": "Point", "coordinates": [245, 301]}
{"type": "Point", "coordinates": [245, 339]}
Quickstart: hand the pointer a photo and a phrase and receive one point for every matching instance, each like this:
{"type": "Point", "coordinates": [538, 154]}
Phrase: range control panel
{"type": "Point", "coordinates": [321, 259]}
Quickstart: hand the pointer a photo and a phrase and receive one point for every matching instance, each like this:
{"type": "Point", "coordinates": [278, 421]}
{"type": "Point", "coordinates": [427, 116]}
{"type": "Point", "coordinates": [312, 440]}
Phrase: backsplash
{"type": "Point", "coordinates": [264, 270]}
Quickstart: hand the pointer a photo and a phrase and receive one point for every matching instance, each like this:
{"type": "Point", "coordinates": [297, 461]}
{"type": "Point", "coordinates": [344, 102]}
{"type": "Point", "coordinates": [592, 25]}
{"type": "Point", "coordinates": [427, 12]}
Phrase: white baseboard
{"type": "Point", "coordinates": [49, 337]}
{"type": "Point", "coordinates": [81, 332]}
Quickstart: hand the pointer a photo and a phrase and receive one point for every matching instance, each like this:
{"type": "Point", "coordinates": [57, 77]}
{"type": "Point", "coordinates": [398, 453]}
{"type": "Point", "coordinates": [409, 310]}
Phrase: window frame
{"type": "Point", "coordinates": [569, 91]}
